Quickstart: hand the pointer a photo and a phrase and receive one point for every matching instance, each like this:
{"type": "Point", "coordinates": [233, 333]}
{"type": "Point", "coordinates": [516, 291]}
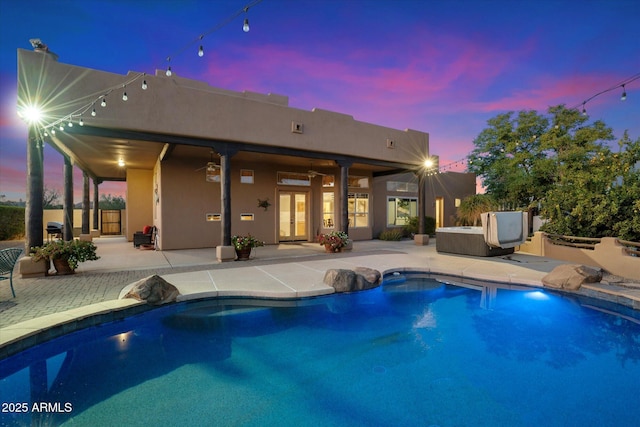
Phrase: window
{"type": "Point", "coordinates": [358, 207]}
{"type": "Point", "coordinates": [246, 176]}
{"type": "Point", "coordinates": [402, 187]}
{"type": "Point", "coordinates": [213, 217]}
{"type": "Point", "coordinates": [400, 209]}
{"type": "Point", "coordinates": [358, 181]}
{"type": "Point", "coordinates": [328, 210]}
{"type": "Point", "coordinates": [246, 217]}
{"type": "Point", "coordinates": [294, 178]}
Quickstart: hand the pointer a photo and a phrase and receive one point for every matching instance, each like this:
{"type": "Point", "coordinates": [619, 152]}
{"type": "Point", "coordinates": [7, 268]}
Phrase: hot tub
{"type": "Point", "coordinates": [466, 241]}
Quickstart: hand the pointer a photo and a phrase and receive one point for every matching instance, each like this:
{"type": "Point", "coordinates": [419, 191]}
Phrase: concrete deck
{"type": "Point", "coordinates": [49, 306]}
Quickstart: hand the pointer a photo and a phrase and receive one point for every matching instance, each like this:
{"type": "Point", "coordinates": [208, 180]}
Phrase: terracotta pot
{"type": "Point", "coordinates": [328, 248]}
{"type": "Point", "coordinates": [243, 254]}
{"type": "Point", "coordinates": [62, 266]}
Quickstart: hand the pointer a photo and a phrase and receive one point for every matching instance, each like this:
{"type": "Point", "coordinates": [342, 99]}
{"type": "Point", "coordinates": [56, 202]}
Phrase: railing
{"type": "Point", "coordinates": [573, 241]}
{"type": "Point", "coordinates": [629, 250]}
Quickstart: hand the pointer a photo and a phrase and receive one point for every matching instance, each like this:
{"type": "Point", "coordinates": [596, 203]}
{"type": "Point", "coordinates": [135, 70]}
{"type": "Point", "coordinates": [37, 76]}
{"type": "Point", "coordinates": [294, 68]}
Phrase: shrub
{"type": "Point", "coordinates": [391, 235]}
{"type": "Point", "coordinates": [11, 222]}
{"type": "Point", "coordinates": [412, 226]}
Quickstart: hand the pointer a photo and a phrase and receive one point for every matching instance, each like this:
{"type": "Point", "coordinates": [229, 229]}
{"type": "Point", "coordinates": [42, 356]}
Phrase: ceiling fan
{"type": "Point", "coordinates": [211, 165]}
{"type": "Point", "coordinates": [313, 173]}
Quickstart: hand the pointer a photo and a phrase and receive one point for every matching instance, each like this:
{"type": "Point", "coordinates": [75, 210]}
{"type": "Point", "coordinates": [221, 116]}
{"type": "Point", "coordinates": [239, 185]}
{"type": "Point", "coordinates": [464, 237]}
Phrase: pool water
{"type": "Point", "coordinates": [411, 353]}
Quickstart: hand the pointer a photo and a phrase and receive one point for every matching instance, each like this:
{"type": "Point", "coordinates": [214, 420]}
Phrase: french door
{"type": "Point", "coordinates": [292, 216]}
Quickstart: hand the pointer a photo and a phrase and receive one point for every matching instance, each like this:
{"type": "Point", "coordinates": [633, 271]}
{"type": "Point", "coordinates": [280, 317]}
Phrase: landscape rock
{"type": "Point", "coordinates": [343, 280]}
{"type": "Point", "coordinates": [154, 290]}
{"type": "Point", "coordinates": [571, 276]}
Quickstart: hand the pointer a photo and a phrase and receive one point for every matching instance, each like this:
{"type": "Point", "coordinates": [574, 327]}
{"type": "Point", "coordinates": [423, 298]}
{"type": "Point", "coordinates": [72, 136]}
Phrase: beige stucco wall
{"type": "Point", "coordinates": [178, 106]}
{"type": "Point", "coordinates": [185, 199]}
{"type": "Point", "coordinates": [449, 185]}
{"type": "Point", "coordinates": [139, 200]}
{"type": "Point", "coordinates": [609, 255]}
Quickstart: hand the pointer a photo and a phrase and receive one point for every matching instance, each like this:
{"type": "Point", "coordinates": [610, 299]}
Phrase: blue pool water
{"type": "Point", "coordinates": [411, 353]}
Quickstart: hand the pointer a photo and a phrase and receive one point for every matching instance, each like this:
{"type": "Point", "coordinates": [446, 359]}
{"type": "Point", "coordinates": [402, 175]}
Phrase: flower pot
{"type": "Point", "coordinates": [62, 266]}
{"type": "Point", "coordinates": [243, 254]}
{"type": "Point", "coordinates": [330, 249]}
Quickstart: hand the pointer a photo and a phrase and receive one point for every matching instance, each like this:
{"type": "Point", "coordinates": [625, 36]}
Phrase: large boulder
{"type": "Point", "coordinates": [154, 290]}
{"type": "Point", "coordinates": [571, 276]}
{"type": "Point", "coordinates": [359, 279]}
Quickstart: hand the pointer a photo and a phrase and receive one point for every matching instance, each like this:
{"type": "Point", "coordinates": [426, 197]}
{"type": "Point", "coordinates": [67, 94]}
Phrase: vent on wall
{"type": "Point", "coordinates": [391, 143]}
{"type": "Point", "coordinates": [297, 127]}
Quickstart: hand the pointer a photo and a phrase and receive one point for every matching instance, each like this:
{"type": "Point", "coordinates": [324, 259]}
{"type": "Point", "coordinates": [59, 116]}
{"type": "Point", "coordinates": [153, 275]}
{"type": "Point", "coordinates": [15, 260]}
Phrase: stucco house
{"type": "Point", "coordinates": [202, 163]}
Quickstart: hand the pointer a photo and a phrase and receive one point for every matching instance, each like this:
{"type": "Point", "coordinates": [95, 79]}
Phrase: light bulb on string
{"type": "Point", "coordinates": [201, 51]}
{"type": "Point", "coordinates": [584, 110]}
{"type": "Point", "coordinates": [61, 127]}
{"type": "Point", "coordinates": [144, 85]}
{"type": "Point", "coordinates": [245, 26]}
{"type": "Point", "coordinates": [168, 73]}
{"type": "Point", "coordinates": [624, 94]}
{"type": "Point", "coordinates": [53, 131]}
{"type": "Point", "coordinates": [93, 112]}
{"type": "Point", "coordinates": [124, 93]}
{"type": "Point", "coordinates": [81, 122]}
{"type": "Point", "coordinates": [103, 103]}
{"type": "Point", "coordinates": [70, 124]}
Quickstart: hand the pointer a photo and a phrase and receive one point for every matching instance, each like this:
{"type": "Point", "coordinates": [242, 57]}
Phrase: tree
{"type": "Point", "coordinates": [600, 198]}
{"type": "Point", "coordinates": [564, 165]}
{"type": "Point", "coordinates": [50, 198]}
{"type": "Point", "coordinates": [507, 156]}
{"type": "Point", "coordinates": [111, 202]}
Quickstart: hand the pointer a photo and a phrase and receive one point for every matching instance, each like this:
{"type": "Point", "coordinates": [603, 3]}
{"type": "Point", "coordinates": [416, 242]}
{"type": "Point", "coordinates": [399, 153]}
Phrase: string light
{"type": "Point", "coordinates": [93, 112]}
{"type": "Point", "coordinates": [81, 122]}
{"type": "Point", "coordinates": [103, 103]}
{"type": "Point", "coordinates": [622, 85]}
{"type": "Point", "coordinates": [124, 93]}
{"type": "Point", "coordinates": [198, 40]}
{"type": "Point", "coordinates": [144, 85]}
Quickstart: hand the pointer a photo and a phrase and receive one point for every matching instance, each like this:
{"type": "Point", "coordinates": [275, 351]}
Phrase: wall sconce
{"type": "Point", "coordinates": [121, 162]}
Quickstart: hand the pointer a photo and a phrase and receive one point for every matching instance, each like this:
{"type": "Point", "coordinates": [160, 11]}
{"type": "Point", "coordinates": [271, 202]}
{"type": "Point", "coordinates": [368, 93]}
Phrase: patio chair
{"type": "Point", "coordinates": [144, 237]}
{"type": "Point", "coordinates": [8, 259]}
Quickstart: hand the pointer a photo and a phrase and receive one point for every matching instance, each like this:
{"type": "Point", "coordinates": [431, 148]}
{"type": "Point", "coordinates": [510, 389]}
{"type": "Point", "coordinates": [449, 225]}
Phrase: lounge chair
{"type": "Point", "coordinates": [8, 259]}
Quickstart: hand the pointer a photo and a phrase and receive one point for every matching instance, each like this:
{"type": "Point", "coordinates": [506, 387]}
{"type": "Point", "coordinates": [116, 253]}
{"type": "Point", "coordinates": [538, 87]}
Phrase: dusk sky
{"type": "Point", "coordinates": [442, 67]}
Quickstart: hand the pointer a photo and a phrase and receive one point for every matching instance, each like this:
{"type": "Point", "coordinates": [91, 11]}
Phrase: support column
{"type": "Point", "coordinates": [33, 215]}
{"type": "Point", "coordinates": [421, 238]}
{"type": "Point", "coordinates": [421, 202]}
{"type": "Point", "coordinates": [344, 195]}
{"type": "Point", "coordinates": [67, 202]}
{"type": "Point", "coordinates": [96, 204]}
{"type": "Point", "coordinates": [85, 203]}
{"type": "Point", "coordinates": [225, 252]}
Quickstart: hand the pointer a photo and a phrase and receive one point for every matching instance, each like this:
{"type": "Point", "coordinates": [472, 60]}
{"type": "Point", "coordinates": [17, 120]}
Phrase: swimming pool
{"type": "Point", "coordinates": [412, 352]}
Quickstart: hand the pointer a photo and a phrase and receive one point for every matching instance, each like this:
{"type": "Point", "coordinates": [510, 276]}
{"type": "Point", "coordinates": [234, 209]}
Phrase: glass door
{"type": "Point", "coordinates": [292, 216]}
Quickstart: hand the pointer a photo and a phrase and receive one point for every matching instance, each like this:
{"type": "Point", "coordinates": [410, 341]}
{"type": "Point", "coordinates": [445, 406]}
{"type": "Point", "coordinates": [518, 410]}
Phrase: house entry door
{"type": "Point", "coordinates": [292, 216]}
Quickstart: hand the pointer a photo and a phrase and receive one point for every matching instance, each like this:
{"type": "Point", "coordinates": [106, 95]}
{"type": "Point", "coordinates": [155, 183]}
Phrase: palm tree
{"type": "Point", "coordinates": [472, 206]}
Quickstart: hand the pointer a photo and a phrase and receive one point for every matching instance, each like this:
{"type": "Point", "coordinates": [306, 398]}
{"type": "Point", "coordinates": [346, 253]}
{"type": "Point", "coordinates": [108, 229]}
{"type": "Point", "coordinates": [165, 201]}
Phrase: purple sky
{"type": "Point", "coordinates": [439, 66]}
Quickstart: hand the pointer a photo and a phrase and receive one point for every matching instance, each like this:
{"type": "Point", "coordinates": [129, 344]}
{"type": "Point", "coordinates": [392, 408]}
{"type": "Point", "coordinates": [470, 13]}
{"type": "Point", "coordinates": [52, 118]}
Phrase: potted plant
{"type": "Point", "coordinates": [334, 241]}
{"type": "Point", "coordinates": [244, 244]}
{"type": "Point", "coordinates": [65, 254]}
